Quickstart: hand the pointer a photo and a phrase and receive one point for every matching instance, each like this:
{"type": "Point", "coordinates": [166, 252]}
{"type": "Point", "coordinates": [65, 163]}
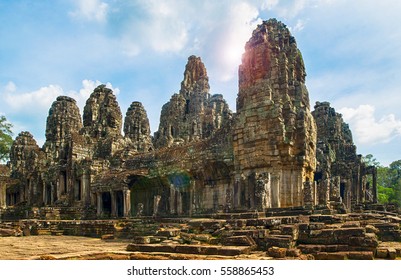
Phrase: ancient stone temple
{"type": "Point", "coordinates": [341, 176]}
{"type": "Point", "coordinates": [192, 114]}
{"type": "Point", "coordinates": [203, 159]}
{"type": "Point", "coordinates": [274, 134]}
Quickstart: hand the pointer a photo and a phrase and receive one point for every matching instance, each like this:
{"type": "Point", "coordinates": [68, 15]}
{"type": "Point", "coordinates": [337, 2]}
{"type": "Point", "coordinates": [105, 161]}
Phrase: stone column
{"type": "Point", "coordinates": [85, 185]}
{"type": "Point", "coordinates": [127, 203]}
{"type": "Point", "coordinates": [3, 187]}
{"type": "Point", "coordinates": [172, 200]}
{"type": "Point", "coordinates": [99, 206]}
{"type": "Point", "coordinates": [374, 183]}
{"type": "Point", "coordinates": [275, 191]}
{"type": "Point", "coordinates": [191, 197]}
{"type": "Point", "coordinates": [44, 194]}
{"type": "Point", "coordinates": [113, 204]}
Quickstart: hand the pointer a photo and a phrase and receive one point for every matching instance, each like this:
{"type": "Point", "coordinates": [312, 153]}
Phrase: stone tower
{"type": "Point", "coordinates": [102, 114]}
{"type": "Point", "coordinates": [63, 121]}
{"type": "Point", "coordinates": [275, 133]}
{"type": "Point", "coordinates": [192, 114]}
{"type": "Point", "coordinates": [341, 176]}
{"type": "Point", "coordinates": [137, 129]}
{"type": "Point", "coordinates": [102, 122]}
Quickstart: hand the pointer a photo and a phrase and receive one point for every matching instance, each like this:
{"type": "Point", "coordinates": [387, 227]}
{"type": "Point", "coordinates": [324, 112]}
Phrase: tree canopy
{"type": "Point", "coordinates": [6, 138]}
{"type": "Point", "coordinates": [388, 180]}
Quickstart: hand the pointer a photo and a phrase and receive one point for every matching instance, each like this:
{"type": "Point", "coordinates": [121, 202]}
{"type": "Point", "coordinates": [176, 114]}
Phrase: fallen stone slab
{"type": "Point", "coordinates": [276, 252]}
{"type": "Point", "coordinates": [331, 256]}
{"type": "Point", "coordinates": [282, 241]}
{"type": "Point", "coordinates": [360, 255]}
{"type": "Point", "coordinates": [165, 248]}
{"type": "Point", "coordinates": [243, 240]}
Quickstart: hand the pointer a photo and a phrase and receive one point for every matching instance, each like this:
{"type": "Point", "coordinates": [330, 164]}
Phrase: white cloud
{"type": "Point", "coordinates": [38, 101]}
{"type": "Point", "coordinates": [369, 130]}
{"type": "Point", "coordinates": [299, 26]}
{"type": "Point", "coordinates": [91, 10]}
{"type": "Point", "coordinates": [230, 41]}
{"type": "Point", "coordinates": [10, 87]}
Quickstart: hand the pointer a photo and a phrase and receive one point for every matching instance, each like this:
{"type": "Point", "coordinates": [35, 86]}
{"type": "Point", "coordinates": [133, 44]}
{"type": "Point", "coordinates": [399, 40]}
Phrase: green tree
{"type": "Point", "coordinates": [6, 138]}
{"type": "Point", "coordinates": [370, 160]}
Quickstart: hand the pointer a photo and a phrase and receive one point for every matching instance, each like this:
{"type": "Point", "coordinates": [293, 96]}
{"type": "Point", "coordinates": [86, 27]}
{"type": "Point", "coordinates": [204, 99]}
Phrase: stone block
{"type": "Point", "coordinates": [392, 253]}
{"type": "Point", "coordinates": [202, 237]}
{"type": "Point", "coordinates": [331, 256]}
{"type": "Point", "coordinates": [282, 241]}
{"type": "Point", "coordinates": [142, 239]}
{"type": "Point", "coordinates": [293, 253]}
{"type": "Point", "coordinates": [164, 248]}
{"type": "Point", "coordinates": [168, 232]}
{"type": "Point", "coordinates": [188, 249]}
{"type": "Point", "coordinates": [381, 253]}
{"type": "Point", "coordinates": [276, 252]}
{"type": "Point", "coordinates": [108, 237]}
{"type": "Point", "coordinates": [244, 240]}
{"type": "Point", "coordinates": [360, 255]}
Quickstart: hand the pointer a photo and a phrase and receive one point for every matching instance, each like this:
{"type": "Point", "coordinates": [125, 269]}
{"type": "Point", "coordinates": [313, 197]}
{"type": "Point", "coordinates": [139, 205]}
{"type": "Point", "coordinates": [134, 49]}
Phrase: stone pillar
{"type": "Point", "coordinates": [113, 204]}
{"type": "Point", "coordinates": [85, 184]}
{"type": "Point", "coordinates": [179, 203]}
{"type": "Point", "coordinates": [237, 192]}
{"type": "Point", "coordinates": [127, 203]}
{"type": "Point", "coordinates": [308, 194]}
{"type": "Point", "coordinates": [172, 200]}
{"type": "Point", "coordinates": [275, 191]}
{"type": "Point", "coordinates": [3, 187]}
{"type": "Point", "coordinates": [374, 183]}
{"type": "Point", "coordinates": [191, 197]}
{"type": "Point", "coordinates": [99, 206]}
{"type": "Point", "coordinates": [44, 194]}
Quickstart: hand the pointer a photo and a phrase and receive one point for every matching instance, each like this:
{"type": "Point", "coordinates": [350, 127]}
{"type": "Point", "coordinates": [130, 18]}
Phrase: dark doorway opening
{"type": "Point", "coordinates": [48, 195]}
{"type": "Point", "coordinates": [342, 190]}
{"type": "Point", "coordinates": [78, 190]}
{"type": "Point", "coordinates": [106, 205]}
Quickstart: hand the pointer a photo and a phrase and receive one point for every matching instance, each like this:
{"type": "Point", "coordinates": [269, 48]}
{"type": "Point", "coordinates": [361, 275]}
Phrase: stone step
{"type": "Point", "coordinates": [245, 215]}
{"type": "Point", "coordinates": [190, 249]}
{"type": "Point", "coordinates": [348, 255]}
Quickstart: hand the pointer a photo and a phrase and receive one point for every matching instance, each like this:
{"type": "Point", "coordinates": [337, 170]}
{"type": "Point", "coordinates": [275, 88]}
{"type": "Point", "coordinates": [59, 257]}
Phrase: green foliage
{"type": "Point", "coordinates": [6, 139]}
{"type": "Point", "coordinates": [370, 160]}
{"type": "Point", "coordinates": [388, 180]}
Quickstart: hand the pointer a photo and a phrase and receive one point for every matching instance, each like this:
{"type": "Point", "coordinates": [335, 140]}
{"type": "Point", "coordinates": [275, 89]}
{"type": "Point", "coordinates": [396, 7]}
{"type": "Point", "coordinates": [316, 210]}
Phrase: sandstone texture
{"type": "Point", "coordinates": [274, 134]}
{"type": "Point", "coordinates": [341, 176]}
{"type": "Point", "coordinates": [192, 114]}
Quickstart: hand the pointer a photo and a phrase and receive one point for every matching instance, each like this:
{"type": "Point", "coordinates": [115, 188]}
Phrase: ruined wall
{"type": "Point", "coordinates": [25, 159]}
{"type": "Point", "coordinates": [340, 172]}
{"type": "Point", "coordinates": [275, 134]}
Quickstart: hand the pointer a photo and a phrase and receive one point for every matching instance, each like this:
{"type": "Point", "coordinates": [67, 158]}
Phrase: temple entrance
{"type": "Point", "coordinates": [342, 191]}
{"type": "Point", "coordinates": [78, 190]}
{"type": "Point", "coordinates": [106, 203]}
{"type": "Point", "coordinates": [48, 195]}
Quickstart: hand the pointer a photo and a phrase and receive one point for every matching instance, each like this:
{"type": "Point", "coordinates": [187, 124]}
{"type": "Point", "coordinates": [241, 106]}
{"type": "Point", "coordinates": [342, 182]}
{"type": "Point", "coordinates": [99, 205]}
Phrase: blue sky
{"type": "Point", "coordinates": [49, 48]}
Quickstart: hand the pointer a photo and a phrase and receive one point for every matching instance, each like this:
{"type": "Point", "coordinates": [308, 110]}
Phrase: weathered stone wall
{"type": "Point", "coordinates": [340, 172]}
{"type": "Point", "coordinates": [274, 134]}
{"type": "Point", "coordinates": [191, 114]}
{"type": "Point", "coordinates": [137, 128]}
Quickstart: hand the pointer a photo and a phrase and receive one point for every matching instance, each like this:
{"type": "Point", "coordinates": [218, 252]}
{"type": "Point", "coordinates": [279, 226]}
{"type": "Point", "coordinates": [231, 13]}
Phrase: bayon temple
{"type": "Point", "coordinates": [274, 152]}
